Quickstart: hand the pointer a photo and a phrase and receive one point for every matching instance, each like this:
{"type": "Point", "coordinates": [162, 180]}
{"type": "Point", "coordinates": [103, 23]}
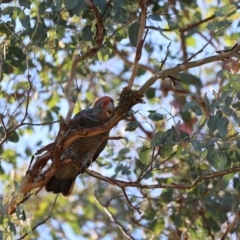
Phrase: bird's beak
{"type": "Point", "coordinates": [110, 109]}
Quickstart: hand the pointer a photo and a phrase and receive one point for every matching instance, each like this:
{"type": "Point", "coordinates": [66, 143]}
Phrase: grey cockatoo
{"type": "Point", "coordinates": [82, 151]}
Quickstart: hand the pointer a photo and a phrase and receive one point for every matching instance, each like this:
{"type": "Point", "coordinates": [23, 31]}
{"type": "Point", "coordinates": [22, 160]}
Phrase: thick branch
{"type": "Point", "coordinates": [140, 42]}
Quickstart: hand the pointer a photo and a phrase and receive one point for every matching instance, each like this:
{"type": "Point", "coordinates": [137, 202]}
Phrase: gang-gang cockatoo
{"type": "Point", "coordinates": [83, 151]}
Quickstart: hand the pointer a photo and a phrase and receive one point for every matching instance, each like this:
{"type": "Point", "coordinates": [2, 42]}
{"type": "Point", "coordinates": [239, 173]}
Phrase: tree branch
{"type": "Point", "coordinates": [234, 52]}
{"type": "Point", "coordinates": [123, 184]}
{"type": "Point", "coordinates": [140, 42]}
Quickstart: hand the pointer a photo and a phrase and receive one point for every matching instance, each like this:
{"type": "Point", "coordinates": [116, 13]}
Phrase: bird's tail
{"type": "Point", "coordinates": [58, 185]}
{"type": "Point", "coordinates": [63, 181]}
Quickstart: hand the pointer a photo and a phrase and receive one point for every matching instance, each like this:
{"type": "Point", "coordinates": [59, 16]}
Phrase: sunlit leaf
{"type": "Point", "coordinates": [144, 154]}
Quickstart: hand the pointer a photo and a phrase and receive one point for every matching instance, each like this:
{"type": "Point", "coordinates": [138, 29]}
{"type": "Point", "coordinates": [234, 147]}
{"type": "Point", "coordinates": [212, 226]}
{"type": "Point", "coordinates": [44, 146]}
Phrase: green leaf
{"type": "Point", "coordinates": [58, 4]}
{"type": "Point", "coordinates": [133, 33]}
{"type": "Point", "coordinates": [194, 107]}
{"type": "Point", "coordinates": [217, 159]}
{"type": "Point", "coordinates": [24, 19]}
{"type": "Point", "coordinates": [155, 116]}
{"type": "Point", "coordinates": [39, 35]}
{"type": "Point", "coordinates": [79, 9]}
{"type": "Point", "coordinates": [16, 185]}
{"type": "Point", "coordinates": [159, 138]}
{"type": "Point", "coordinates": [197, 146]}
{"type": "Point", "coordinates": [12, 11]}
{"type": "Point", "coordinates": [123, 151]}
{"type": "Point", "coordinates": [166, 150]}
{"type": "Point", "coordinates": [186, 116]}
{"type": "Point", "coordinates": [87, 33]}
{"type": "Point", "coordinates": [131, 126]}
{"type": "Point", "coordinates": [167, 195]}
{"type": "Point", "coordinates": [172, 25]}
{"type": "Point", "coordinates": [189, 105]}
{"type": "Point", "coordinates": [228, 101]}
{"type": "Point", "coordinates": [100, 3]}
{"type": "Point", "coordinates": [150, 93]}
{"type": "Point", "coordinates": [13, 137]}
{"type": "Point", "coordinates": [48, 117]}
{"type": "Point", "coordinates": [70, 4]}
{"type": "Point", "coordinates": [155, 17]}
{"type": "Point", "coordinates": [236, 183]}
{"type": "Point", "coordinates": [144, 155]}
{"type": "Point", "coordinates": [222, 126]}
{"type": "Point", "coordinates": [42, 8]}
{"type": "Point", "coordinates": [162, 33]}
{"type": "Point", "coordinates": [117, 4]}
{"type": "Point", "coordinates": [121, 15]}
{"type": "Point", "coordinates": [12, 228]}
{"type": "Point", "coordinates": [222, 11]}
{"type": "Point", "coordinates": [25, 3]}
{"type": "Point", "coordinates": [20, 213]}
{"type": "Point", "coordinates": [191, 42]}
{"type": "Point", "coordinates": [190, 79]}
{"type": "Point", "coordinates": [212, 122]}
{"type": "Point", "coordinates": [206, 101]}
{"type": "Point", "coordinates": [236, 105]}
{"type": "Point", "coordinates": [158, 226]}
{"type": "Point", "coordinates": [225, 94]}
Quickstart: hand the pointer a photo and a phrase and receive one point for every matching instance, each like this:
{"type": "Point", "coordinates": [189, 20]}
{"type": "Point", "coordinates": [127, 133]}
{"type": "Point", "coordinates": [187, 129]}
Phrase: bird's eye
{"type": "Point", "coordinates": [110, 112]}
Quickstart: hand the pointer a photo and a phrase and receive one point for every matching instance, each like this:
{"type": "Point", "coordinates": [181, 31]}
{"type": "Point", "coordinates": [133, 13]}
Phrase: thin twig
{"type": "Point", "coordinates": [166, 56]}
{"type": "Point", "coordinates": [129, 203]}
{"type": "Point", "coordinates": [201, 50]}
{"type": "Point", "coordinates": [40, 124]}
{"type": "Point", "coordinates": [4, 130]}
{"type": "Point", "coordinates": [114, 220]}
{"type": "Point", "coordinates": [186, 29]}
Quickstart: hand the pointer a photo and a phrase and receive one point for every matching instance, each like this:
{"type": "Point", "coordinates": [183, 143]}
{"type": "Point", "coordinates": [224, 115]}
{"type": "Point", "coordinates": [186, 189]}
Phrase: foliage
{"type": "Point", "coordinates": [174, 172]}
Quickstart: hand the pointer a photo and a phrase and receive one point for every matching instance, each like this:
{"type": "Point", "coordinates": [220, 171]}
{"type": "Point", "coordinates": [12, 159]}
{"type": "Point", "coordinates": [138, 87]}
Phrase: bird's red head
{"type": "Point", "coordinates": [103, 101]}
{"type": "Point", "coordinates": [106, 103]}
